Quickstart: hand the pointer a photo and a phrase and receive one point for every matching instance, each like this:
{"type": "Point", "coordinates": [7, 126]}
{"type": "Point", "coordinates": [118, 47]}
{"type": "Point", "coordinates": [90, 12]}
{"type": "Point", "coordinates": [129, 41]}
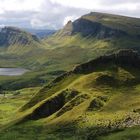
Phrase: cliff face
{"type": "Point", "coordinates": [122, 57]}
{"type": "Point", "coordinates": [95, 29]}
{"type": "Point", "coordinates": [12, 36]}
{"type": "Point", "coordinates": [67, 30]}
{"type": "Point", "coordinates": [102, 25]}
{"type": "Point", "coordinates": [90, 28]}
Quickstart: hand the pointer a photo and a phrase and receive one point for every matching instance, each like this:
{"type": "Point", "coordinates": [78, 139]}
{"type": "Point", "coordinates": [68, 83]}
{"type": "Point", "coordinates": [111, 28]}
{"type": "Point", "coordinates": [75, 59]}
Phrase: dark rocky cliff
{"type": "Point", "coordinates": [89, 28]}
{"type": "Point", "coordinates": [124, 57]}
{"type": "Point", "coordinates": [95, 29]}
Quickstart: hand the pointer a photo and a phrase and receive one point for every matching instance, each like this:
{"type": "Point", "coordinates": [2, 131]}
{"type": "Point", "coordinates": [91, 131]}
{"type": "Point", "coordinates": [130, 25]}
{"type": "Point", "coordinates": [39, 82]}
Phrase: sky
{"type": "Point", "coordinates": [54, 14]}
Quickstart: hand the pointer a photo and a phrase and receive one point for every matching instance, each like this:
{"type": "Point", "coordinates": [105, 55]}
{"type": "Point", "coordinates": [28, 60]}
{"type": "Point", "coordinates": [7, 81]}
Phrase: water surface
{"type": "Point", "coordinates": [12, 71]}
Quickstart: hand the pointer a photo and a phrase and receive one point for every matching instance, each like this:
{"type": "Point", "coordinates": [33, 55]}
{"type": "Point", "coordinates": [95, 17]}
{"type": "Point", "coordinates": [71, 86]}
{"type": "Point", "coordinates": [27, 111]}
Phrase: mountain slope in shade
{"type": "Point", "coordinates": [10, 36]}
{"type": "Point", "coordinates": [17, 41]}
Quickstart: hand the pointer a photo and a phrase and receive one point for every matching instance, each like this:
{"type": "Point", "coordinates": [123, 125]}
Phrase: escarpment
{"type": "Point", "coordinates": [95, 29]}
{"type": "Point", "coordinates": [89, 28]}
{"type": "Point", "coordinates": [122, 57]}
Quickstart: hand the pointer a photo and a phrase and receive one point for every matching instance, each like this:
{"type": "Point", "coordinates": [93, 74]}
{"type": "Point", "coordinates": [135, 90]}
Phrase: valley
{"type": "Point", "coordinates": [80, 83]}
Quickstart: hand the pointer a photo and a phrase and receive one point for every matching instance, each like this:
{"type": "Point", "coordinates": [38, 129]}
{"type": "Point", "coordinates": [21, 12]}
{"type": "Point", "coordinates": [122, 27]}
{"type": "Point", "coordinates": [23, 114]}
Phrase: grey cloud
{"type": "Point", "coordinates": [14, 18]}
{"type": "Point", "coordinates": [114, 2]}
{"type": "Point", "coordinates": [52, 15]}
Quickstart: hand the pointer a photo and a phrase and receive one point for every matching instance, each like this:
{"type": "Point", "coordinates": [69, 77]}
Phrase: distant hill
{"type": "Point", "coordinates": [41, 33]}
{"type": "Point", "coordinates": [16, 41]}
{"type": "Point", "coordinates": [102, 25]}
{"type": "Point", "coordinates": [11, 35]}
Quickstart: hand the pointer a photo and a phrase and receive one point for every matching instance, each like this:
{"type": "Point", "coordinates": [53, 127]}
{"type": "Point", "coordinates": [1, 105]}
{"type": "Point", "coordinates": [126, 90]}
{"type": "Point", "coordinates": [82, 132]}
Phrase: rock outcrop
{"type": "Point", "coordinates": [122, 57]}
{"type": "Point", "coordinates": [125, 57]}
{"type": "Point", "coordinates": [52, 105]}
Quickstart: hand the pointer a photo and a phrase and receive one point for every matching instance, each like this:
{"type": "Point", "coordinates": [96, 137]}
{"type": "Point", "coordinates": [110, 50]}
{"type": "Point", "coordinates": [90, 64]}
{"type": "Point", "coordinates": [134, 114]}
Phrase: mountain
{"type": "Point", "coordinates": [88, 102]}
{"type": "Point", "coordinates": [91, 36]}
{"type": "Point", "coordinates": [60, 53]}
{"type": "Point", "coordinates": [103, 25]}
{"type": "Point", "coordinates": [90, 28]}
{"type": "Point", "coordinates": [118, 22]}
{"type": "Point", "coordinates": [11, 35]}
{"type": "Point", "coordinates": [99, 31]}
{"type": "Point", "coordinates": [86, 38]}
{"type": "Point", "coordinates": [17, 41]}
{"type": "Point", "coordinates": [87, 77]}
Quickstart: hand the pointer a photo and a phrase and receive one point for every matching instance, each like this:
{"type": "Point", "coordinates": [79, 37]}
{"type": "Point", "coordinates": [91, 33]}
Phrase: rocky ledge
{"type": "Point", "coordinates": [124, 57]}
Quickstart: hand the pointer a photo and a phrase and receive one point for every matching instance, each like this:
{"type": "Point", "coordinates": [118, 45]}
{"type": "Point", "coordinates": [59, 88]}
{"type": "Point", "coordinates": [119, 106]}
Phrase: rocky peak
{"type": "Point", "coordinates": [69, 22]}
{"type": "Point", "coordinates": [67, 30]}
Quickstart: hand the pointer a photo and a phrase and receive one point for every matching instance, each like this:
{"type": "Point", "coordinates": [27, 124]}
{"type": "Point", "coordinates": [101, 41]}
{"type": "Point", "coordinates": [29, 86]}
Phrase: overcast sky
{"type": "Point", "coordinates": [53, 14]}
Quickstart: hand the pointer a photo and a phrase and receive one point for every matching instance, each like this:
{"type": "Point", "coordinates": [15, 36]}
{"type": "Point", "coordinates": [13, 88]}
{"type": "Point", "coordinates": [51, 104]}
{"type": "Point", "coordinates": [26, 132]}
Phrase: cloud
{"type": "Point", "coordinates": [124, 7]}
{"type": "Point", "coordinates": [97, 4]}
{"type": "Point", "coordinates": [56, 13]}
{"type": "Point", "coordinates": [68, 18]}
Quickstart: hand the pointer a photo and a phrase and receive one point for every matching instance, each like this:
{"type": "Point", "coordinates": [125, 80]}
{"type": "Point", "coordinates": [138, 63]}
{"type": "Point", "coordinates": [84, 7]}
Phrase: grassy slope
{"type": "Point", "coordinates": [12, 101]}
{"type": "Point", "coordinates": [98, 105]}
{"type": "Point", "coordinates": [62, 54]}
{"type": "Point", "coordinates": [129, 133]}
{"type": "Point", "coordinates": [58, 53]}
{"type": "Point", "coordinates": [78, 49]}
{"type": "Point", "coordinates": [117, 22]}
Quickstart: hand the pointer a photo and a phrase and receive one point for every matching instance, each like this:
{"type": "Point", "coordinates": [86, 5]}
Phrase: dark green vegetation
{"type": "Point", "coordinates": [99, 99]}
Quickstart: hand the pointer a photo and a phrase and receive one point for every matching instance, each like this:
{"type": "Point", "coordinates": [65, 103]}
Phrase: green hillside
{"type": "Point", "coordinates": [116, 22]}
{"type": "Point", "coordinates": [85, 103]}
{"type": "Point", "coordinates": [69, 47]}
{"type": "Point", "coordinates": [83, 82]}
{"type": "Point", "coordinates": [93, 35]}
